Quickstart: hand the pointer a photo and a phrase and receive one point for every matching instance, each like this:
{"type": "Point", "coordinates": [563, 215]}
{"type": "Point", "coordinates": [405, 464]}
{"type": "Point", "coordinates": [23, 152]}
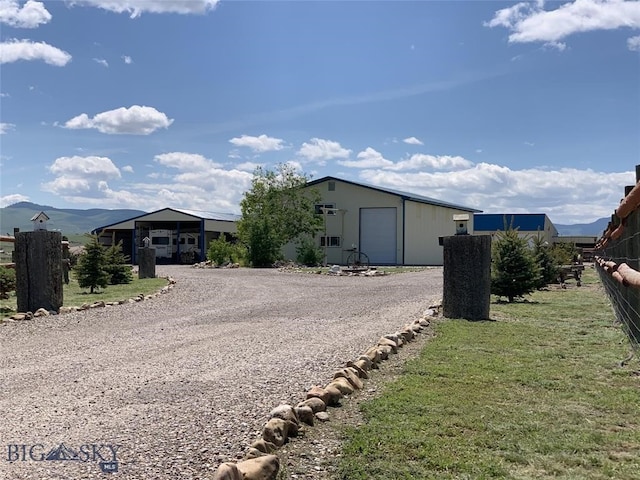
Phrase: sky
{"type": "Point", "coordinates": [506, 107]}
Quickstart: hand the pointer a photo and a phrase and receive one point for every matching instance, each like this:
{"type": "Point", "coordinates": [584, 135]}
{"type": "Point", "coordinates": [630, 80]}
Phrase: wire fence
{"type": "Point", "coordinates": [618, 262]}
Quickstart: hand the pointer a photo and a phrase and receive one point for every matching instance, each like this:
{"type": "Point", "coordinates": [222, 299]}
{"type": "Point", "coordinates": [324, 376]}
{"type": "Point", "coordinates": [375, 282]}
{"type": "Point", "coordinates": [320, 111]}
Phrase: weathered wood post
{"type": "Point", "coordinates": [38, 258]}
{"type": "Point", "coordinates": [146, 260]}
{"type": "Point", "coordinates": [467, 276]}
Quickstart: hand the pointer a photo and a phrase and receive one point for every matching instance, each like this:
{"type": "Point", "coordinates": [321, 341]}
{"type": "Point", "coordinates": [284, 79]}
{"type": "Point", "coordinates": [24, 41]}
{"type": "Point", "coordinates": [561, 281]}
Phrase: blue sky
{"type": "Point", "coordinates": [502, 106]}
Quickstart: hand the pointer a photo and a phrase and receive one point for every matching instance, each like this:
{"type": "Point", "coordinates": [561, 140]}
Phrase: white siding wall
{"type": "Point", "coordinates": [424, 224]}
{"type": "Point", "coordinates": [220, 226]}
{"type": "Point", "coordinates": [346, 223]}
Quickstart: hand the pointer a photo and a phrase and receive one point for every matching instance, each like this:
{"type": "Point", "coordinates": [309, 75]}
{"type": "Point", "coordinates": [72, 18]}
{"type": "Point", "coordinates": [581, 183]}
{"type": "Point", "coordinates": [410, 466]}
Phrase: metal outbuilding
{"type": "Point", "coordinates": [529, 225]}
{"type": "Point", "coordinates": [179, 236]}
{"type": "Point", "coordinates": [392, 227]}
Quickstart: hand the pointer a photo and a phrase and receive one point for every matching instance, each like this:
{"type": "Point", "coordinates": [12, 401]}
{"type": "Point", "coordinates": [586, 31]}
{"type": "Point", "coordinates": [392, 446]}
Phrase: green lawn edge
{"type": "Point", "coordinates": [538, 392]}
{"type": "Point", "coordinates": [75, 296]}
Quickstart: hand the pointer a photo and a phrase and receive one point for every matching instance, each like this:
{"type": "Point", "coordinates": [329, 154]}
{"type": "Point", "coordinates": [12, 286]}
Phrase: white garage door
{"type": "Point", "coordinates": [378, 233]}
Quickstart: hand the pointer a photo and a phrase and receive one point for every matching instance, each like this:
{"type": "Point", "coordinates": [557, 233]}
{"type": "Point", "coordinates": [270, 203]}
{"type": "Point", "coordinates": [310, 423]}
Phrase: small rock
{"type": "Point", "coordinates": [322, 416]}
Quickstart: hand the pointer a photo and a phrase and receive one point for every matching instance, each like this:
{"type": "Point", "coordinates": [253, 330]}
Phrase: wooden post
{"type": "Point", "coordinates": [467, 277]}
{"type": "Point", "coordinates": [38, 257]}
{"type": "Point", "coordinates": [146, 262]}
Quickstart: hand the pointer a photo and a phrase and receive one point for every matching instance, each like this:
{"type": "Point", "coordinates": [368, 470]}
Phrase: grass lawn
{"type": "Point", "coordinates": [537, 393]}
{"type": "Point", "coordinates": [74, 296]}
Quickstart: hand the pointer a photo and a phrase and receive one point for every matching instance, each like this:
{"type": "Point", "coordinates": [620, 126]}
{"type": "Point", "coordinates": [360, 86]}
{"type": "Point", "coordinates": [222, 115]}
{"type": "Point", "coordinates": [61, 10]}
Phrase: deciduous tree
{"type": "Point", "coordinates": [278, 209]}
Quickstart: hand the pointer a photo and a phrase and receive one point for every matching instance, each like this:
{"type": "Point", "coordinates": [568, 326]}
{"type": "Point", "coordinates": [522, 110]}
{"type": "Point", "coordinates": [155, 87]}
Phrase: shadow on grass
{"type": "Point", "coordinates": [517, 301]}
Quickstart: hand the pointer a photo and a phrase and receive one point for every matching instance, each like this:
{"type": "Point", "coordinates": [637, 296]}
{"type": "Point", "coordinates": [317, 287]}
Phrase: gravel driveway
{"type": "Point", "coordinates": [184, 381]}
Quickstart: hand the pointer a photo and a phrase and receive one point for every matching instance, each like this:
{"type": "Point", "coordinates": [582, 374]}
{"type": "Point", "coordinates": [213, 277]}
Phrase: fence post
{"type": "Point", "coordinates": [467, 277]}
{"type": "Point", "coordinates": [38, 258]}
{"type": "Point", "coordinates": [146, 262]}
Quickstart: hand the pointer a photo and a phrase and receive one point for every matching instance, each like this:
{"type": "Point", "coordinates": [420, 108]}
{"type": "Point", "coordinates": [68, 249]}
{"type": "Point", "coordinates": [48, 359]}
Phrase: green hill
{"type": "Point", "coordinates": [67, 220]}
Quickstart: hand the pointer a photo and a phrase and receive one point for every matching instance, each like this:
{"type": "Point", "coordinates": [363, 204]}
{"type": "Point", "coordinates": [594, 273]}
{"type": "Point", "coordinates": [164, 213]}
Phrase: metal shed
{"type": "Point", "coordinates": [392, 227]}
{"type": "Point", "coordinates": [179, 236]}
{"type": "Point", "coordinates": [527, 224]}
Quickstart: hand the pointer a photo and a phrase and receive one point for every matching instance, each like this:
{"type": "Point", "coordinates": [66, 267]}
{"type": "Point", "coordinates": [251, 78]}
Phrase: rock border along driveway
{"type": "Point", "coordinates": [173, 387]}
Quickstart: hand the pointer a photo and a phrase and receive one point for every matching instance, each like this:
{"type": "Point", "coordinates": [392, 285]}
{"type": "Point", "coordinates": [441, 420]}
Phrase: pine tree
{"type": "Point", "coordinates": [117, 265]}
{"type": "Point", "coordinates": [513, 269]}
{"type": "Point", "coordinates": [7, 281]}
{"type": "Point", "coordinates": [546, 262]}
{"type": "Point", "coordinates": [90, 271]}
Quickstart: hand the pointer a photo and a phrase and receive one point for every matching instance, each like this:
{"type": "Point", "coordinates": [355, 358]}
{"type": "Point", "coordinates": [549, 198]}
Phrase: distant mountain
{"type": "Point", "coordinates": [69, 221]}
{"type": "Point", "coordinates": [584, 229]}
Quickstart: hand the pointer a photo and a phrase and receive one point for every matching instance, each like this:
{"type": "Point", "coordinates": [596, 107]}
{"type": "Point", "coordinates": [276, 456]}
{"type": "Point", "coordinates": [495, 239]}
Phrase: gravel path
{"type": "Point", "coordinates": [185, 381]}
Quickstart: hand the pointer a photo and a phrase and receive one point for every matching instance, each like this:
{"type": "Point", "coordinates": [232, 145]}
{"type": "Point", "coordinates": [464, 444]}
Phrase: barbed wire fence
{"type": "Point", "coordinates": [617, 262]}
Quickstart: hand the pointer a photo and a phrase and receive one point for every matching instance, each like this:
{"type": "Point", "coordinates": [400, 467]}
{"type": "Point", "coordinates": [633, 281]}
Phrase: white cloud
{"type": "Point", "coordinates": [529, 144]}
{"type": "Point", "coordinates": [529, 22]}
{"type": "Point", "coordinates": [14, 50]}
{"type": "Point", "coordinates": [135, 8]}
{"type": "Point", "coordinates": [560, 46]}
{"type": "Point", "coordinates": [248, 166]}
{"type": "Point", "coordinates": [192, 181]}
{"type": "Point", "coordinates": [209, 189]}
{"type": "Point", "coordinates": [3, 95]}
{"type": "Point", "coordinates": [127, 59]}
{"type": "Point", "coordinates": [421, 161]}
{"type": "Point", "coordinates": [81, 175]}
{"type": "Point", "coordinates": [31, 15]}
{"type": "Point", "coordinates": [7, 200]}
{"type": "Point", "coordinates": [560, 193]}
{"type": "Point", "coordinates": [321, 150]}
{"type": "Point", "coordinates": [197, 184]}
{"type": "Point", "coordinates": [6, 127]}
{"type": "Point", "coordinates": [135, 120]}
{"type": "Point", "coordinates": [295, 165]}
{"type": "Point", "coordinates": [127, 168]}
{"type": "Point", "coordinates": [261, 143]}
{"type": "Point", "coordinates": [85, 167]}
{"type": "Point", "coordinates": [191, 162]}
{"type": "Point", "coordinates": [413, 141]}
{"type": "Point", "coordinates": [633, 43]}
{"type": "Point", "coordinates": [102, 62]}
{"type": "Point", "coordinates": [371, 158]}
{"type": "Point", "coordinates": [368, 158]}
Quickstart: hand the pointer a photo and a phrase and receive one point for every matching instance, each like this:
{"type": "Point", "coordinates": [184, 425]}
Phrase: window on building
{"type": "Point", "coordinates": [160, 241]}
{"type": "Point", "coordinates": [332, 186]}
{"type": "Point", "coordinates": [329, 241]}
{"type": "Point", "coordinates": [329, 207]}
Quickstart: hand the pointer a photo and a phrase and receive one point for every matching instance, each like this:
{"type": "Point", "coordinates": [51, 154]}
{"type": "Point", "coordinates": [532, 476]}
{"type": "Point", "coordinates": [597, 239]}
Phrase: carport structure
{"type": "Point", "coordinates": [188, 232]}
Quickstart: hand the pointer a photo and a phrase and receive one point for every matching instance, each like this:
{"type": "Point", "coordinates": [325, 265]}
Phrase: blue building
{"type": "Point", "coordinates": [527, 224]}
